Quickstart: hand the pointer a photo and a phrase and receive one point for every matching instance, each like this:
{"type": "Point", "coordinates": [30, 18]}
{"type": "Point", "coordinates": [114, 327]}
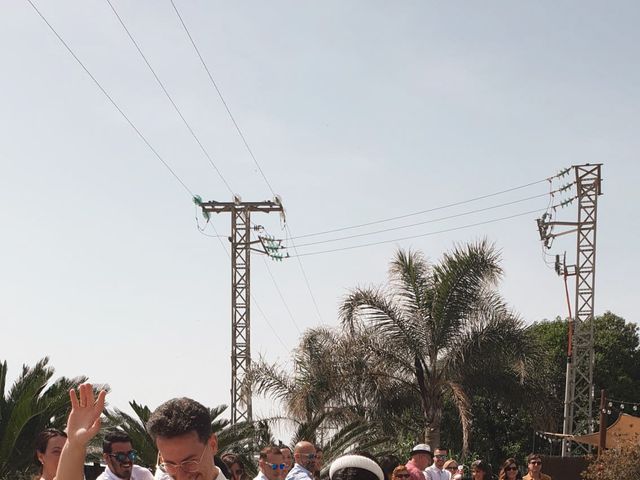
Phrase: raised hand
{"type": "Point", "coordinates": [84, 420]}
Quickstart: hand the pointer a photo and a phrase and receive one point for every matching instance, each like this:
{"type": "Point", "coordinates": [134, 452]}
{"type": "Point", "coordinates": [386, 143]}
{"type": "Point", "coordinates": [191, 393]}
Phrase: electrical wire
{"type": "Point", "coordinates": [275, 284]}
{"type": "Point", "coordinates": [176, 108]}
{"type": "Point", "coordinates": [101, 88]}
{"type": "Point", "coordinates": [244, 140]}
{"type": "Point", "coordinates": [215, 85]}
{"type": "Point", "coordinates": [448, 217]}
{"type": "Point", "coordinates": [441, 207]}
{"type": "Point", "coordinates": [420, 235]}
{"type": "Point", "coordinates": [113, 102]}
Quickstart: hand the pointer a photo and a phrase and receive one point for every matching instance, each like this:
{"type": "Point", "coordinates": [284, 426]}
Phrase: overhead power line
{"type": "Point", "coordinates": [441, 207]}
{"type": "Point", "coordinates": [166, 93]}
{"type": "Point", "coordinates": [420, 235]}
{"type": "Point", "coordinates": [243, 138]}
{"type": "Point", "coordinates": [113, 102]}
{"type": "Point", "coordinates": [215, 85]}
{"type": "Point", "coordinates": [434, 220]}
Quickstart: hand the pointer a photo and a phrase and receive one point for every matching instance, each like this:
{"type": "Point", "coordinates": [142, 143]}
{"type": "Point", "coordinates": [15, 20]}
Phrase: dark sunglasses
{"type": "Point", "coordinates": [452, 468]}
{"type": "Point", "coordinates": [535, 462]}
{"type": "Point", "coordinates": [402, 475]}
{"type": "Point", "coordinates": [512, 468]}
{"type": "Point", "coordinates": [121, 457]}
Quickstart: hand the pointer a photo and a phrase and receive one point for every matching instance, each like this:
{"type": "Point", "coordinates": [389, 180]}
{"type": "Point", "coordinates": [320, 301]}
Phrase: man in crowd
{"type": "Point", "coordinates": [421, 458]}
{"type": "Point", "coordinates": [270, 464]}
{"type": "Point", "coordinates": [287, 458]}
{"type": "Point", "coordinates": [437, 471]}
{"type": "Point", "coordinates": [119, 455]}
{"type": "Point", "coordinates": [534, 464]}
{"type": "Point", "coordinates": [304, 456]}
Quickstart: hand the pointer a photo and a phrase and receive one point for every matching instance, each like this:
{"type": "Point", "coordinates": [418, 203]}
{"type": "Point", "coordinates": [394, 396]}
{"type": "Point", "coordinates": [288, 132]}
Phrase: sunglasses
{"type": "Point", "coordinates": [122, 457]}
{"type": "Point", "coordinates": [452, 468]}
{"type": "Point", "coordinates": [536, 462]}
{"type": "Point", "coordinates": [512, 469]}
{"type": "Point", "coordinates": [440, 457]}
{"type": "Point", "coordinates": [276, 466]}
{"type": "Point", "coordinates": [402, 475]}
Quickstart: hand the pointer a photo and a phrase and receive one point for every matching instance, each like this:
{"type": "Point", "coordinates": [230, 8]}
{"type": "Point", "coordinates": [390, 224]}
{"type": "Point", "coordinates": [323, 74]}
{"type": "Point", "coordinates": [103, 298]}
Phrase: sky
{"type": "Point", "coordinates": [354, 111]}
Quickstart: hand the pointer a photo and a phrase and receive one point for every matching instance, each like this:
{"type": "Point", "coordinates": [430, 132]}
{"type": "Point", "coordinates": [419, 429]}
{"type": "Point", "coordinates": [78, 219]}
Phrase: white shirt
{"type": "Point", "coordinates": [137, 473]}
{"type": "Point", "coordinates": [434, 473]}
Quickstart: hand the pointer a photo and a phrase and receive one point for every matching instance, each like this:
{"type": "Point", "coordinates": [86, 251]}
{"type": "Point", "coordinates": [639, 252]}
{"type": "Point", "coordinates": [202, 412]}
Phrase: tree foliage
{"type": "Point", "coordinates": [34, 402]}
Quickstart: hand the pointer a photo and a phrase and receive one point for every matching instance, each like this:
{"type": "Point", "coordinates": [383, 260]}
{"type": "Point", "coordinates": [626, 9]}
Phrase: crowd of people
{"type": "Point", "coordinates": [187, 449]}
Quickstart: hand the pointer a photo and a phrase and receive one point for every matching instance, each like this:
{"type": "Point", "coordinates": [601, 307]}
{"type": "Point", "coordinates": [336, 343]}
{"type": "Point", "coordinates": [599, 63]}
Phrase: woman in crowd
{"type": "Point", "coordinates": [451, 466]}
{"type": "Point", "coordinates": [481, 470]}
{"type": "Point", "coordinates": [400, 473]}
{"type": "Point", "coordinates": [49, 445]}
{"type": "Point", "coordinates": [510, 470]}
{"type": "Point", "coordinates": [235, 466]}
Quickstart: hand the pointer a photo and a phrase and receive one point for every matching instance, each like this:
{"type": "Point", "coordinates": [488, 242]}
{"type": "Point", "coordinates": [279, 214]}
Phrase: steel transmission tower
{"type": "Point", "coordinates": [241, 296]}
{"type": "Point", "coordinates": [579, 389]}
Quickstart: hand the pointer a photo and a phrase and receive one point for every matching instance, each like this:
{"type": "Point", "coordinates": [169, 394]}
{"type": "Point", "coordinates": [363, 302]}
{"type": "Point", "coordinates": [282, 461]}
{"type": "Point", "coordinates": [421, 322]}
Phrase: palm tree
{"type": "Point", "coordinates": [441, 328]}
{"type": "Point", "coordinates": [32, 404]}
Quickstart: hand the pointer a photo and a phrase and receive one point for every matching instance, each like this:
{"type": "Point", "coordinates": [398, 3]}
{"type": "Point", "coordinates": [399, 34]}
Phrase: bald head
{"type": "Point", "coordinates": [304, 455]}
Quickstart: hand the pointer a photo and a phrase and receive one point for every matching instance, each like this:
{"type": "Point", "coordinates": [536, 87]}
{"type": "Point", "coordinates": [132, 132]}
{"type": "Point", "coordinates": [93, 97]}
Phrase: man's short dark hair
{"type": "Point", "coordinates": [114, 436]}
{"type": "Point", "coordinates": [533, 456]}
{"type": "Point", "coordinates": [179, 416]}
{"type": "Point", "coordinates": [269, 449]}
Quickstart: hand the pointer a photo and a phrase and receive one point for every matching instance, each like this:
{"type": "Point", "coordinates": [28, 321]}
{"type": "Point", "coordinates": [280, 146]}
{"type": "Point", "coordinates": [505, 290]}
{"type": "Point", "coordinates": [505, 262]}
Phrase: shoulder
{"type": "Point", "coordinates": [545, 477]}
{"type": "Point", "coordinates": [141, 473]}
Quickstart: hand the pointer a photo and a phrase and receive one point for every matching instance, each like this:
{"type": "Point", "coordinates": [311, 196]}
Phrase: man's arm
{"type": "Point", "coordinates": [82, 425]}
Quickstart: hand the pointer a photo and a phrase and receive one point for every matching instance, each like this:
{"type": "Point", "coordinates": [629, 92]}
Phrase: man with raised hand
{"type": "Point", "coordinates": [304, 455]}
{"type": "Point", "coordinates": [270, 464]}
{"type": "Point", "coordinates": [119, 455]}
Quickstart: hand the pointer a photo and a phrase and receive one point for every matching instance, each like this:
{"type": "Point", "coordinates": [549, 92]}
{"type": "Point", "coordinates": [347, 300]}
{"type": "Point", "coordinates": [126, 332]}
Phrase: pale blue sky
{"type": "Point", "coordinates": [355, 110]}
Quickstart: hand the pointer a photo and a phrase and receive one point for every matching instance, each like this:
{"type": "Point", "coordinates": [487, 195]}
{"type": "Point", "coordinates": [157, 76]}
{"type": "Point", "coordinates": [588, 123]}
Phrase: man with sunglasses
{"type": "Point", "coordinates": [271, 464]}
{"type": "Point", "coordinates": [119, 456]}
{"type": "Point", "coordinates": [304, 456]}
{"type": "Point", "coordinates": [534, 465]}
{"type": "Point", "coordinates": [436, 471]}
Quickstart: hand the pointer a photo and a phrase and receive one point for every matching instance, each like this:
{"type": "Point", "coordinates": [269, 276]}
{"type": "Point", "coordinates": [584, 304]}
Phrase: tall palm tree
{"type": "Point", "coordinates": [442, 327]}
{"type": "Point", "coordinates": [33, 403]}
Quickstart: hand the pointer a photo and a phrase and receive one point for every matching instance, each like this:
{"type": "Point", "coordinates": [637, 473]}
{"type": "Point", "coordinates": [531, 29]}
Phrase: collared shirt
{"type": "Point", "coordinates": [434, 473]}
{"type": "Point", "coordinates": [261, 476]}
{"type": "Point", "coordinates": [415, 472]}
{"type": "Point", "coordinates": [137, 473]}
{"type": "Point", "coordinates": [298, 472]}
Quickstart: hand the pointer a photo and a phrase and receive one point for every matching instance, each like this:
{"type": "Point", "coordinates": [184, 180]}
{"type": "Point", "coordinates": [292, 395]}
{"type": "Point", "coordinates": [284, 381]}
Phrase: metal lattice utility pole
{"type": "Point", "coordinates": [240, 296]}
{"type": "Point", "coordinates": [579, 389]}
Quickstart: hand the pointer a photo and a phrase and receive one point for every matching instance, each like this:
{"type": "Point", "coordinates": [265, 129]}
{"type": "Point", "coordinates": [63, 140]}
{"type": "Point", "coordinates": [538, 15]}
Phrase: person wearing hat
{"type": "Point", "coordinates": [360, 466]}
{"type": "Point", "coordinates": [421, 458]}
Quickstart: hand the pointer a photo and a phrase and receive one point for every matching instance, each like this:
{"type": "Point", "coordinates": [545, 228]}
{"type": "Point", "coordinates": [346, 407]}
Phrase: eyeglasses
{"type": "Point", "coordinates": [188, 466]}
{"type": "Point", "coordinates": [440, 457]}
{"type": "Point", "coordinates": [514, 468]}
{"type": "Point", "coordinates": [535, 462]}
{"type": "Point", "coordinates": [309, 456]}
{"type": "Point", "coordinates": [276, 466]}
{"type": "Point", "coordinates": [122, 457]}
